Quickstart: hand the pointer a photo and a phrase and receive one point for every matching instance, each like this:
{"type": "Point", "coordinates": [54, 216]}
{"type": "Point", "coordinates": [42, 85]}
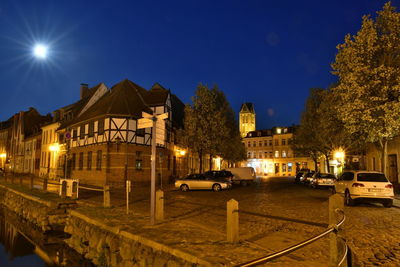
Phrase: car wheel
{"type": "Point", "coordinates": [216, 187]}
{"type": "Point", "coordinates": [388, 203]}
{"type": "Point", "coordinates": [184, 188]}
{"type": "Point", "coordinates": [348, 200]}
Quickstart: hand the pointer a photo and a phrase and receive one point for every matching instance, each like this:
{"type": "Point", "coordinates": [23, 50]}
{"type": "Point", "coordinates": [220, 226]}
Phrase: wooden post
{"type": "Point", "coordinates": [74, 190]}
{"type": "Point", "coordinates": [335, 203]}
{"type": "Point", "coordinates": [159, 205]}
{"type": "Point", "coordinates": [31, 182]}
{"type": "Point", "coordinates": [107, 199]}
{"type": "Point", "coordinates": [232, 221]}
{"type": "Point", "coordinates": [45, 184]}
{"type": "Point", "coordinates": [128, 190]}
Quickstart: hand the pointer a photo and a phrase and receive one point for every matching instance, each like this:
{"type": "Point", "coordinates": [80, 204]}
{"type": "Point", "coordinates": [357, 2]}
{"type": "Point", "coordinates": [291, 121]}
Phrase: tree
{"type": "Point", "coordinates": [209, 126]}
{"type": "Point", "coordinates": [306, 139]}
{"type": "Point", "coordinates": [368, 67]}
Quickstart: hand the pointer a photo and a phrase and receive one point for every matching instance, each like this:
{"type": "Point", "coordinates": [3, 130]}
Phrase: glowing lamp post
{"type": "Point", "coordinates": [3, 156]}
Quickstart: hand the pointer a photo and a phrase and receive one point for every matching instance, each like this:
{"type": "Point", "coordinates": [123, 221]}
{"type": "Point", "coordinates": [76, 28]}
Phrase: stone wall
{"type": "Point", "coordinates": [110, 246]}
{"type": "Point", "coordinates": [47, 215]}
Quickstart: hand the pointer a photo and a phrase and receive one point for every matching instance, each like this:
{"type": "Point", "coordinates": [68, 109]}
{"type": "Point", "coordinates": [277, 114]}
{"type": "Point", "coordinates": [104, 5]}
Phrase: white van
{"type": "Point", "coordinates": [243, 175]}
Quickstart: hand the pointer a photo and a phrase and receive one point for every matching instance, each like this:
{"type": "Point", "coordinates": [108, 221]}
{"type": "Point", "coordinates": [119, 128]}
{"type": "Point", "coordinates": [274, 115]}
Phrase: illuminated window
{"type": "Point", "coordinates": [276, 154]}
{"type": "Point", "coordinates": [289, 167]}
{"type": "Point", "coordinates": [283, 167]}
{"type": "Point", "coordinates": [278, 130]}
{"type": "Point", "coordinates": [248, 155]}
{"type": "Point", "coordinates": [283, 154]}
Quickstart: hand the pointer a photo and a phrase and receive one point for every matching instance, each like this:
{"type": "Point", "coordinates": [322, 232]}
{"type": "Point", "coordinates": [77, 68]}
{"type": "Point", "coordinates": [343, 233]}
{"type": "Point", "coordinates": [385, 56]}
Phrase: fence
{"type": "Point", "coordinates": [335, 210]}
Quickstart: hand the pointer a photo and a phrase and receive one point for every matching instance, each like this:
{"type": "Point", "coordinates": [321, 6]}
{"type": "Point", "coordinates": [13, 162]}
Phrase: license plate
{"type": "Point", "coordinates": [374, 190]}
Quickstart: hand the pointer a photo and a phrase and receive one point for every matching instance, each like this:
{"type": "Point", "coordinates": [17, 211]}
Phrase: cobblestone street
{"type": "Point", "coordinates": [276, 213]}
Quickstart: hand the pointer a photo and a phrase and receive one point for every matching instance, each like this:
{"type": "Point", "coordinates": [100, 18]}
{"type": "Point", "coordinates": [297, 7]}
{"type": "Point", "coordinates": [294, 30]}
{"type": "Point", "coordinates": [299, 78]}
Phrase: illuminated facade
{"type": "Point", "coordinates": [269, 152]}
{"type": "Point", "coordinates": [49, 151]}
{"type": "Point", "coordinates": [247, 119]}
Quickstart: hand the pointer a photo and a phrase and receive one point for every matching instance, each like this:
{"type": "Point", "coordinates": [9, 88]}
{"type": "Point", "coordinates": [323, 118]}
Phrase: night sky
{"type": "Point", "coordinates": [266, 52]}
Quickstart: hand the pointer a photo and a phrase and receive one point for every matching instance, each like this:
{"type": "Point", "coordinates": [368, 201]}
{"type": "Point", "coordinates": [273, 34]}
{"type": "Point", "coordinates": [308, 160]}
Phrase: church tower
{"type": "Point", "coordinates": [247, 119]}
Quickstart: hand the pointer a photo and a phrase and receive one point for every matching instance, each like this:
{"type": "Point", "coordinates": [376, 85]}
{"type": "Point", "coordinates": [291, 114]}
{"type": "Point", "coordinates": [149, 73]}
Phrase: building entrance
{"type": "Point", "coordinates": [392, 162]}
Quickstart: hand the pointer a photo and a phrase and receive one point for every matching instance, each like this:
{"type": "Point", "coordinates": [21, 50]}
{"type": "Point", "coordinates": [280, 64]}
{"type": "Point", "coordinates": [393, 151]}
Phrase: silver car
{"type": "Point", "coordinates": [200, 181]}
{"type": "Point", "coordinates": [323, 180]}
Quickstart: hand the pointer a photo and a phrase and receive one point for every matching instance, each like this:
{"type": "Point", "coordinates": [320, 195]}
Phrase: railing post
{"type": "Point", "coordinates": [31, 182]}
{"type": "Point", "coordinates": [45, 184]}
{"type": "Point", "coordinates": [335, 204]}
{"type": "Point", "coordinates": [232, 221]}
{"type": "Point", "coordinates": [159, 205]}
{"type": "Point", "coordinates": [107, 203]}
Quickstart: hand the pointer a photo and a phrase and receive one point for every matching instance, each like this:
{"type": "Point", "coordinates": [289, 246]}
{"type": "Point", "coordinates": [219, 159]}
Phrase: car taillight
{"type": "Point", "coordinates": [389, 186]}
{"type": "Point", "coordinates": [358, 185]}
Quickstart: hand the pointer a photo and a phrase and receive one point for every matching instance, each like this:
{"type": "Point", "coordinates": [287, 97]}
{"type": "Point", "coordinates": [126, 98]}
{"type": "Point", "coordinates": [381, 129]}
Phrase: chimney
{"type": "Point", "coordinates": [84, 89]}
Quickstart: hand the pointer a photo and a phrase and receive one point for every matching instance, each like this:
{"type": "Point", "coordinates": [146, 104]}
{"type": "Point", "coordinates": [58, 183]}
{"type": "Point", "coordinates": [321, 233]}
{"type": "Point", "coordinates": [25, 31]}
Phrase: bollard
{"type": "Point", "coordinates": [232, 221]}
{"type": "Point", "coordinates": [31, 182]}
{"type": "Point", "coordinates": [159, 205]}
{"type": "Point", "coordinates": [45, 184]}
{"type": "Point", "coordinates": [64, 189]}
{"type": "Point", "coordinates": [107, 203]}
{"type": "Point", "coordinates": [336, 202]}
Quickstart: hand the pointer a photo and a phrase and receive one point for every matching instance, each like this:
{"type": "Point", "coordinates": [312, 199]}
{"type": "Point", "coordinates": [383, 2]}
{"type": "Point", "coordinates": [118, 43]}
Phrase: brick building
{"type": "Point", "coordinates": [104, 145]}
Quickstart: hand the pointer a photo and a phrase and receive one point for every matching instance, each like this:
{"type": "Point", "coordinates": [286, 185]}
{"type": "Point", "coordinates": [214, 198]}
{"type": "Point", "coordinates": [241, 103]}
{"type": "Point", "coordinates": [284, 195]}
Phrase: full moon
{"type": "Point", "coordinates": [40, 51]}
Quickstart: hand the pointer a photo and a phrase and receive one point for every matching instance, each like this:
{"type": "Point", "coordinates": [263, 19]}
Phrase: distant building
{"type": "Point", "coordinates": [269, 152]}
{"type": "Point", "coordinates": [25, 124]}
{"type": "Point", "coordinates": [5, 139]}
{"type": "Point", "coordinates": [247, 119]}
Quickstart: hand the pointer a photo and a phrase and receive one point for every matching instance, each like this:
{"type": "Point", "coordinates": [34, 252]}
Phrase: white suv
{"type": "Point", "coordinates": [365, 185]}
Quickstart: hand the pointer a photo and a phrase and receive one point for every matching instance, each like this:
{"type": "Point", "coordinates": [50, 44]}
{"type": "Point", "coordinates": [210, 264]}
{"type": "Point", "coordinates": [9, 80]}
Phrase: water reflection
{"type": "Point", "coordinates": [23, 244]}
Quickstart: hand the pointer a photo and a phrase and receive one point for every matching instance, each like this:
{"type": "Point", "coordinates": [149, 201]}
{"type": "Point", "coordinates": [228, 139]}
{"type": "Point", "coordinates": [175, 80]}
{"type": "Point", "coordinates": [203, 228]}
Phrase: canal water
{"type": "Point", "coordinates": [23, 244]}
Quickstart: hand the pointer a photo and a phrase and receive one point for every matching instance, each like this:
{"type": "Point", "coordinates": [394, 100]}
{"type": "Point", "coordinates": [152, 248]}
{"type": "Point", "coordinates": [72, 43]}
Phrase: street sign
{"type": "Point", "coordinates": [68, 135]}
{"type": "Point", "coordinates": [146, 115]}
{"type": "Point", "coordinates": [144, 123]}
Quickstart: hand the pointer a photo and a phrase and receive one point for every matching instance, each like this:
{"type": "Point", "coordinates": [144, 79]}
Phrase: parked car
{"type": "Point", "coordinates": [323, 180]}
{"type": "Point", "coordinates": [223, 175]}
{"type": "Point", "coordinates": [243, 175]}
{"type": "Point", "coordinates": [307, 177]}
{"type": "Point", "coordinates": [367, 186]}
{"type": "Point", "coordinates": [200, 181]}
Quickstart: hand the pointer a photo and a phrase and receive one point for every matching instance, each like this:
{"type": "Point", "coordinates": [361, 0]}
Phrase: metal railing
{"type": "Point", "coordinates": [300, 245]}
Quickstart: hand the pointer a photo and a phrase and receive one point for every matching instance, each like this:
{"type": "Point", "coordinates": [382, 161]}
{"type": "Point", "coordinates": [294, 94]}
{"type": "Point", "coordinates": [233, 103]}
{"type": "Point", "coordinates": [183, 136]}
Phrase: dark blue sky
{"type": "Point", "coordinates": [266, 52]}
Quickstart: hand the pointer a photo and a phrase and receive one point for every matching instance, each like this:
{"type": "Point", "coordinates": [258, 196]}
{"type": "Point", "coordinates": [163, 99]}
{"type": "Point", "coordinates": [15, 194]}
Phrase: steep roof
{"type": "Point", "coordinates": [125, 99]}
{"type": "Point", "coordinates": [32, 121]}
{"type": "Point", "coordinates": [247, 107]}
{"type": "Point", "coordinates": [156, 96]}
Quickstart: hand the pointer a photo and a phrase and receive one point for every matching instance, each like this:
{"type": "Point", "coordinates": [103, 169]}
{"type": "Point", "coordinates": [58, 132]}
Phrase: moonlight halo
{"type": "Point", "coordinates": [40, 51]}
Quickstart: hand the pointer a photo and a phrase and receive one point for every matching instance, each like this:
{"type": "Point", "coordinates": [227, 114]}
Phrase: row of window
{"type": "Point", "coordinates": [49, 137]}
{"type": "Point", "coordinates": [89, 160]}
{"type": "Point", "coordinates": [268, 154]}
{"type": "Point", "coordinates": [268, 142]}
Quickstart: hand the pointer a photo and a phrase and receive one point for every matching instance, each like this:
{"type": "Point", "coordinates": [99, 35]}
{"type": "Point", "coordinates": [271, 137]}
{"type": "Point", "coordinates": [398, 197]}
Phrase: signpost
{"type": "Point", "coordinates": [153, 121]}
{"type": "Point", "coordinates": [128, 190]}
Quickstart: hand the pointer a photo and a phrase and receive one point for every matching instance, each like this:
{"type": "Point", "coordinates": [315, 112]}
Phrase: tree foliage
{"type": "Point", "coordinates": [368, 67]}
{"type": "Point", "coordinates": [210, 127]}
